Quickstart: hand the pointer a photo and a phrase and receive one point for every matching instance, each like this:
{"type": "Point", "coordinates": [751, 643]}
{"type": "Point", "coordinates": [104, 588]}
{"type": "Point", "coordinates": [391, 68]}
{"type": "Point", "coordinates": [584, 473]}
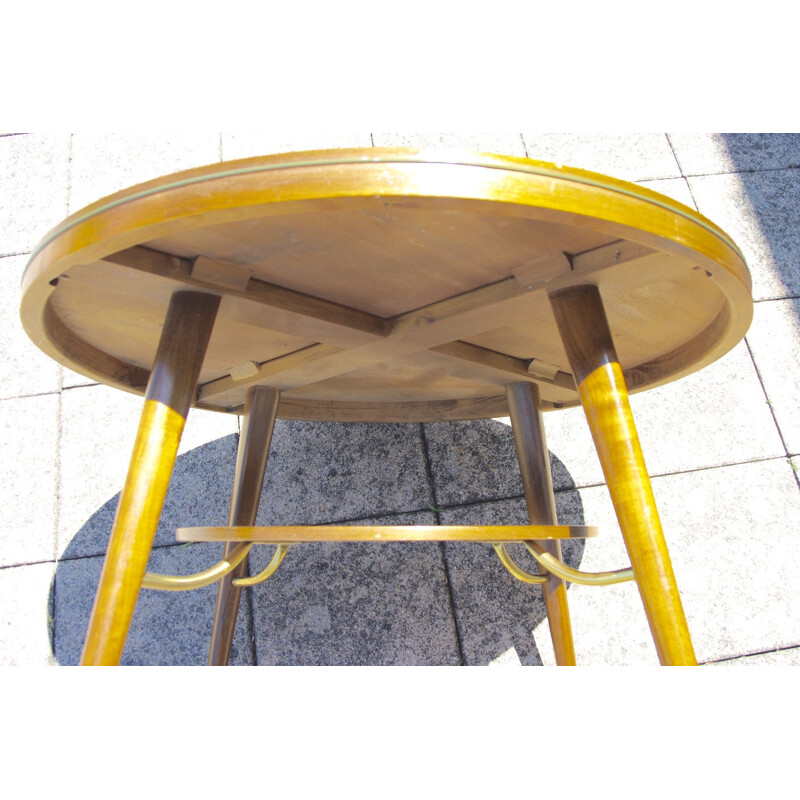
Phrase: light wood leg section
{"type": "Point", "coordinates": [258, 422]}
{"type": "Point", "coordinates": [537, 483]}
{"type": "Point", "coordinates": [586, 336]}
{"type": "Point", "coordinates": [170, 391]}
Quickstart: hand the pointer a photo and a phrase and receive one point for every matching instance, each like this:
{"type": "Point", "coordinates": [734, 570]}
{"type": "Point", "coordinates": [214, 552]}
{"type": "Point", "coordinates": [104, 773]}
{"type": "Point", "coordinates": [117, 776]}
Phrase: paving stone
{"type": "Point", "coordinates": [106, 163]}
{"type": "Point", "coordinates": [777, 658]}
{"type": "Point", "coordinates": [476, 460]}
{"type": "Point", "coordinates": [731, 536]}
{"type": "Point", "coordinates": [573, 458]}
{"type": "Point", "coordinates": [721, 410]}
{"type": "Point", "coordinates": [70, 379]}
{"type": "Point", "coordinates": [629, 156]}
{"type": "Point", "coordinates": [28, 479]}
{"type": "Point", "coordinates": [24, 368]}
{"type": "Point", "coordinates": [33, 174]}
{"type": "Point", "coordinates": [676, 188]}
{"type": "Point", "coordinates": [25, 615]}
{"type": "Point", "coordinates": [239, 145]}
{"type": "Point", "coordinates": [761, 212]}
{"type": "Point", "coordinates": [774, 339]}
{"type": "Point", "coordinates": [495, 612]}
{"type": "Point", "coordinates": [715, 416]}
{"type": "Point", "coordinates": [472, 460]}
{"type": "Point", "coordinates": [729, 528]}
{"type": "Point", "coordinates": [168, 628]}
{"type": "Point", "coordinates": [708, 153]}
{"type": "Point", "coordinates": [507, 144]}
{"type": "Point", "coordinates": [327, 472]}
{"type": "Point", "coordinates": [98, 430]}
{"type": "Point", "coordinates": [356, 604]}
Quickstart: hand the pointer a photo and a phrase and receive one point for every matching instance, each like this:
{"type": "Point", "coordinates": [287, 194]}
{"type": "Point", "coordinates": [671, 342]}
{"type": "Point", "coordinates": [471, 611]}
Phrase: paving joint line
{"type": "Point", "coordinates": [35, 394]}
{"type": "Point", "coordinates": [69, 173]}
{"type": "Point", "coordinates": [80, 386]}
{"type": "Point", "coordinates": [442, 550]}
{"type": "Point", "coordinates": [750, 655]}
{"type": "Point", "coordinates": [772, 412]}
{"type": "Point", "coordinates": [600, 484]}
{"type": "Point", "coordinates": [677, 160]}
{"type": "Point", "coordinates": [251, 625]}
{"type": "Point", "coordinates": [683, 174]}
{"type": "Point", "coordinates": [706, 468]}
{"type": "Point", "coordinates": [437, 507]}
{"type": "Point", "coordinates": [26, 564]}
{"type": "Point", "coordinates": [777, 299]}
{"type": "Point", "coordinates": [52, 617]}
{"type": "Point", "coordinates": [745, 171]}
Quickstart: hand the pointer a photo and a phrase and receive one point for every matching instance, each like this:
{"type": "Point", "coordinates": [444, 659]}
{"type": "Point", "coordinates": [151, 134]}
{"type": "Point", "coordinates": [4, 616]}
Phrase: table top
{"type": "Point", "coordinates": [385, 284]}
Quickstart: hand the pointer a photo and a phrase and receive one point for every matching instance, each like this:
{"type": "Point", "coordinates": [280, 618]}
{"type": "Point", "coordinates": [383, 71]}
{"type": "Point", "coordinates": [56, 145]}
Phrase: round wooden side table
{"type": "Point", "coordinates": [386, 285]}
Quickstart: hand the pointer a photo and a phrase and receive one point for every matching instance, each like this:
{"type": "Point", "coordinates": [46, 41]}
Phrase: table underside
{"type": "Point", "coordinates": [404, 305]}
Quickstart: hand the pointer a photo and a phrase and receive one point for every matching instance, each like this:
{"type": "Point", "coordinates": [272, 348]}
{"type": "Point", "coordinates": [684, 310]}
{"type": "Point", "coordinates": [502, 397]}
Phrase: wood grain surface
{"type": "Point", "coordinates": [385, 284]}
{"type": "Point", "coordinates": [604, 396]}
{"type": "Point", "coordinates": [187, 328]}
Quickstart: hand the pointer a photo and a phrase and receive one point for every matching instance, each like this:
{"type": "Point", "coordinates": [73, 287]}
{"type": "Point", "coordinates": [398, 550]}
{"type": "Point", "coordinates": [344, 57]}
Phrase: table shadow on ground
{"type": "Point", "coordinates": [766, 165]}
{"type": "Point", "coordinates": [330, 604]}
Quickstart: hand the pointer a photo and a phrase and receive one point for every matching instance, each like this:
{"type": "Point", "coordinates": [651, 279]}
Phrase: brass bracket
{"type": "Point", "coordinates": [280, 553]}
{"type": "Point", "coordinates": [197, 580]}
{"type": "Point", "coordinates": [558, 568]}
{"type": "Point", "coordinates": [552, 564]}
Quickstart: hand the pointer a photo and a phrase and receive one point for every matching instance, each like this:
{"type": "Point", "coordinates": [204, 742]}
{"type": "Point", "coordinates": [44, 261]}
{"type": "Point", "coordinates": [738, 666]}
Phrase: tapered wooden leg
{"type": "Point", "coordinates": [170, 391]}
{"type": "Point", "coordinates": [537, 483]}
{"type": "Point", "coordinates": [258, 422]}
{"type": "Point", "coordinates": [587, 339]}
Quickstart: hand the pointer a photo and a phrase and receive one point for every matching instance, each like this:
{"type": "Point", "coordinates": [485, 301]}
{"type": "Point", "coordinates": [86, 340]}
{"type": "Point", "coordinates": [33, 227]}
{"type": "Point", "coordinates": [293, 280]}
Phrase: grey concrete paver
{"type": "Point", "coordinates": [98, 430]}
{"type": "Point", "coordinates": [248, 145]}
{"type": "Point", "coordinates": [761, 211]}
{"type": "Point", "coordinates": [692, 423]}
{"type": "Point", "coordinates": [777, 658]}
{"type": "Point", "coordinates": [320, 473]}
{"type": "Point", "coordinates": [168, 628]}
{"type": "Point", "coordinates": [505, 143]}
{"type": "Point", "coordinates": [34, 180]}
{"type": "Point", "coordinates": [70, 379]}
{"type": "Point", "coordinates": [629, 156]}
{"type": "Point", "coordinates": [26, 615]}
{"type": "Point", "coordinates": [731, 535]}
{"type": "Point", "coordinates": [689, 424]}
{"type": "Point", "coordinates": [475, 460]}
{"type": "Point", "coordinates": [774, 339]}
{"type": "Point", "coordinates": [102, 164]}
{"type": "Point", "coordinates": [28, 479]}
{"type": "Point", "coordinates": [24, 369]}
{"type": "Point", "coordinates": [496, 613]}
{"type": "Point", "coordinates": [356, 604]}
{"type": "Point", "coordinates": [726, 491]}
{"type": "Point", "coordinates": [696, 422]}
{"type": "Point", "coordinates": [676, 188]}
{"type": "Point", "coordinates": [711, 153]}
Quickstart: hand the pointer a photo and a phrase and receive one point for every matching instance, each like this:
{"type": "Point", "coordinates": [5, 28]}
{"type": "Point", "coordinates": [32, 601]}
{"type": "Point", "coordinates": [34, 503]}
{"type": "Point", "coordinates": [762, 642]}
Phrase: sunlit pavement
{"type": "Point", "coordinates": [723, 447]}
